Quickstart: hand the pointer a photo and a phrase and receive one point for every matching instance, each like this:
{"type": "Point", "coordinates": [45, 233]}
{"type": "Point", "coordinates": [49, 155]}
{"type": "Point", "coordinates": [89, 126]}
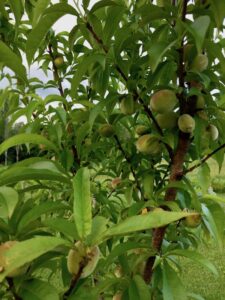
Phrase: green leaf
{"type": "Point", "coordinates": [39, 210]}
{"type": "Point", "coordinates": [150, 12]}
{"type": "Point", "coordinates": [50, 16]}
{"type": "Point", "coordinates": [204, 177]}
{"type": "Point", "coordinates": [17, 8]}
{"type": "Point", "coordinates": [63, 226]}
{"type": "Point", "coordinates": [199, 29]}
{"type": "Point", "coordinates": [215, 221]}
{"type": "Point", "coordinates": [81, 133]}
{"type": "Point", "coordinates": [173, 288]}
{"type": "Point", "coordinates": [138, 289]}
{"type": "Point", "coordinates": [36, 289]}
{"type": "Point", "coordinates": [98, 227]}
{"type": "Point", "coordinates": [25, 138]}
{"type": "Point", "coordinates": [144, 222]}
{"type": "Point", "coordinates": [38, 10]}
{"type": "Point", "coordinates": [16, 174]}
{"type": "Point", "coordinates": [9, 199]}
{"type": "Point", "coordinates": [97, 109]}
{"type": "Point", "coordinates": [12, 61]}
{"type": "Point", "coordinates": [82, 203]}
{"type": "Point", "coordinates": [82, 69]}
{"type": "Point", "coordinates": [122, 248]}
{"type": "Point", "coordinates": [26, 251]}
{"type": "Point", "coordinates": [218, 11]}
{"type": "Point", "coordinates": [104, 3]}
{"type": "Point", "coordinates": [196, 257]}
{"type": "Point", "coordinates": [156, 53]}
{"type": "Point", "coordinates": [111, 25]}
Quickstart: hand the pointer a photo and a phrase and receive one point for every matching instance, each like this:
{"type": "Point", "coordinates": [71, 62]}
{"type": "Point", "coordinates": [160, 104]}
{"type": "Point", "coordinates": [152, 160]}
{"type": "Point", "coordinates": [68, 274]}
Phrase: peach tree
{"type": "Point", "coordinates": [130, 101]}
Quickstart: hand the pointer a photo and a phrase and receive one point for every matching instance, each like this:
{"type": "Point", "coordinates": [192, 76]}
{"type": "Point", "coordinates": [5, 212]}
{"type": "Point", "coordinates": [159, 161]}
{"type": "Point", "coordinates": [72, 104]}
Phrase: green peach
{"type": "Point", "coordinates": [127, 105]}
{"type": "Point", "coordinates": [200, 63]}
{"type": "Point", "coordinates": [106, 130]}
{"type": "Point", "coordinates": [186, 123]}
{"type": "Point", "coordinates": [163, 101]}
{"type": "Point", "coordinates": [167, 120]}
{"type": "Point", "coordinates": [149, 144]}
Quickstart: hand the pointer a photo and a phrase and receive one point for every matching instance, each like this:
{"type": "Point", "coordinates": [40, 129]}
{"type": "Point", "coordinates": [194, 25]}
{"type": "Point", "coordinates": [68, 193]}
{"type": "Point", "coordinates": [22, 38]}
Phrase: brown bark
{"type": "Point", "coordinates": [175, 175]}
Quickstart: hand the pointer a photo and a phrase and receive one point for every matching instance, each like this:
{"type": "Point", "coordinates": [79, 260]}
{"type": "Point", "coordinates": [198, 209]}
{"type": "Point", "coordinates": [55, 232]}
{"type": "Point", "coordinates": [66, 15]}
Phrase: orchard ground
{"type": "Point", "coordinates": [196, 278]}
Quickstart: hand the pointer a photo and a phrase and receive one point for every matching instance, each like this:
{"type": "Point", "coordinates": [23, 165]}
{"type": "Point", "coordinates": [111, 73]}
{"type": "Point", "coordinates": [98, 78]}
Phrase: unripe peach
{"type": "Point", "coordinates": [59, 61]}
{"type": "Point", "coordinates": [106, 130]}
{"type": "Point", "coordinates": [3, 249]}
{"type": "Point", "coordinates": [141, 129]}
{"type": "Point", "coordinates": [200, 63]}
{"type": "Point", "coordinates": [200, 103]}
{"type": "Point", "coordinates": [81, 257]}
{"type": "Point", "coordinates": [93, 255]}
{"type": "Point", "coordinates": [167, 120]}
{"type": "Point", "coordinates": [163, 101]}
{"type": "Point", "coordinates": [186, 123]}
{"type": "Point", "coordinates": [193, 221]}
{"type": "Point", "coordinates": [203, 115]}
{"type": "Point", "coordinates": [214, 133]}
{"type": "Point", "coordinates": [127, 105]}
{"type": "Point", "coordinates": [76, 258]}
{"type": "Point", "coordinates": [149, 144]}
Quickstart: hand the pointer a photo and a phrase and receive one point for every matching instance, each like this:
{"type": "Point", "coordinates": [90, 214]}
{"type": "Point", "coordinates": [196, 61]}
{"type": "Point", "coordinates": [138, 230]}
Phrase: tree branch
{"type": "Point", "coordinates": [136, 95]}
{"type": "Point", "coordinates": [127, 158]}
{"type": "Point", "coordinates": [176, 172]}
{"type": "Point", "coordinates": [203, 160]}
{"type": "Point", "coordinates": [61, 91]}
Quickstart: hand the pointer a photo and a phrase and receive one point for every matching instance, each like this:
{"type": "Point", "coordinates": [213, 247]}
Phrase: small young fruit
{"type": "Point", "coordinates": [93, 255]}
{"type": "Point", "coordinates": [193, 221]}
{"type": "Point", "coordinates": [149, 144]}
{"type": "Point", "coordinates": [200, 103]}
{"type": "Point", "coordinates": [186, 123]}
{"type": "Point", "coordinates": [127, 105]}
{"type": "Point", "coordinates": [203, 115]}
{"type": "Point", "coordinates": [117, 296]}
{"type": "Point", "coordinates": [76, 258]}
{"type": "Point", "coordinates": [3, 249]}
{"type": "Point", "coordinates": [141, 129]}
{"type": "Point", "coordinates": [59, 61]}
{"type": "Point", "coordinates": [214, 133]}
{"type": "Point", "coordinates": [118, 272]}
{"type": "Point", "coordinates": [167, 120]}
{"type": "Point", "coordinates": [163, 101]}
{"type": "Point", "coordinates": [200, 63]}
{"type": "Point", "coordinates": [106, 130]}
{"type": "Point", "coordinates": [115, 182]}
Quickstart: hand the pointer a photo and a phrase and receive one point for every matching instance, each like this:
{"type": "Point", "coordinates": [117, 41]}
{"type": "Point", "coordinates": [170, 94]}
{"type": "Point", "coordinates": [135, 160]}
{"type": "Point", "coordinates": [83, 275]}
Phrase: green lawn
{"type": "Point", "coordinates": [199, 280]}
{"type": "Point", "coordinates": [196, 278]}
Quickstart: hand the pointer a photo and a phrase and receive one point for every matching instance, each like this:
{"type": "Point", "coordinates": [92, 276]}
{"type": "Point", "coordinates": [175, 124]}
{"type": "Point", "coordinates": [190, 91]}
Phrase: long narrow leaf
{"type": "Point", "coordinates": [82, 203]}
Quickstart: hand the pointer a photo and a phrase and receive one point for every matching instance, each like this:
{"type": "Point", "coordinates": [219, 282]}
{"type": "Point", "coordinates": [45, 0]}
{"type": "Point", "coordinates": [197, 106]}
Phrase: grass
{"type": "Point", "coordinates": [199, 280]}
{"type": "Point", "coordinates": [196, 278]}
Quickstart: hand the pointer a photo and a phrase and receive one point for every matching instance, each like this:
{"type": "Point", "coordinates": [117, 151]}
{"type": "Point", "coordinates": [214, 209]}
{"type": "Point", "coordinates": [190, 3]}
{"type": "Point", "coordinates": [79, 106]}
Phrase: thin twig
{"type": "Point", "coordinates": [203, 160]}
{"type": "Point", "coordinates": [136, 94]}
{"type": "Point", "coordinates": [12, 288]}
{"type": "Point", "coordinates": [61, 91]}
{"type": "Point", "coordinates": [128, 160]}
